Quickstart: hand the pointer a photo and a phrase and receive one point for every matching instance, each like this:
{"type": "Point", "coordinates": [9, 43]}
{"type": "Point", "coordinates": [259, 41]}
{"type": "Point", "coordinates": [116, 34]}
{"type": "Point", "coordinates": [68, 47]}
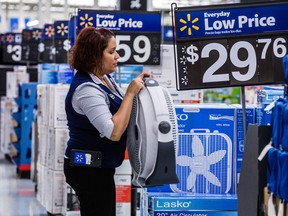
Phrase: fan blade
{"type": "Point", "coordinates": [216, 156]}
{"type": "Point", "coordinates": [212, 178]}
{"type": "Point", "coordinates": [191, 180]}
{"type": "Point", "coordinates": [184, 160]}
{"type": "Point", "coordinates": [197, 146]}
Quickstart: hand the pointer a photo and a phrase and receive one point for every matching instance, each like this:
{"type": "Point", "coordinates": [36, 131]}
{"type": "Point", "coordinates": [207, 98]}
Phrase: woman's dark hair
{"type": "Point", "coordinates": [87, 52]}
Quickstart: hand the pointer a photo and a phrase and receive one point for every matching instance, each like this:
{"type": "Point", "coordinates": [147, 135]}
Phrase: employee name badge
{"type": "Point", "coordinates": [86, 158]}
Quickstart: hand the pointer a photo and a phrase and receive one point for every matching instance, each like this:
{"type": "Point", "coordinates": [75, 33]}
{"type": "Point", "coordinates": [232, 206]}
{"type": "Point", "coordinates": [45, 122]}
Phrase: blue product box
{"type": "Point", "coordinates": [167, 202]}
{"type": "Point", "coordinates": [268, 95]}
{"type": "Point", "coordinates": [125, 74]}
{"type": "Point", "coordinates": [47, 73]}
{"type": "Point", "coordinates": [206, 161]}
{"type": "Point", "coordinates": [272, 93]}
{"type": "Point", "coordinates": [194, 213]}
{"type": "Point", "coordinates": [239, 132]}
{"type": "Point", "coordinates": [65, 74]}
{"type": "Point", "coordinates": [47, 67]}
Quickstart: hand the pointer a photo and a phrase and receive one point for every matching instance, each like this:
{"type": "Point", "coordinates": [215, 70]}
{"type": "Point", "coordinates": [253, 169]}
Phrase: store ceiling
{"type": "Point", "coordinates": [155, 4]}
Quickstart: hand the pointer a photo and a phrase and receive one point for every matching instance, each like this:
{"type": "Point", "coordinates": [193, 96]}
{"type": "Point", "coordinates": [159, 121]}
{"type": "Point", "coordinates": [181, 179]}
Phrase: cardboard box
{"type": "Point", "coordinates": [206, 151]}
{"type": "Point", "coordinates": [56, 102]}
{"type": "Point", "coordinates": [192, 205]}
{"type": "Point", "coordinates": [123, 195]}
{"type": "Point", "coordinates": [58, 138]}
{"type": "Point", "coordinates": [239, 132]}
{"type": "Point", "coordinates": [42, 104]}
{"type": "Point", "coordinates": [13, 80]}
{"type": "Point", "coordinates": [56, 192]}
{"type": "Point", "coordinates": [47, 73]}
{"type": "Point", "coordinates": [186, 97]}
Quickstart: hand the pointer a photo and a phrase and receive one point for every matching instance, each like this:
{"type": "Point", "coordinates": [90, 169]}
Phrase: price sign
{"type": "Point", "coordinates": [46, 47]}
{"type": "Point", "coordinates": [29, 46]}
{"type": "Point", "coordinates": [220, 48]}
{"type": "Point", "coordinates": [62, 47]}
{"type": "Point", "coordinates": [138, 35]}
{"type": "Point", "coordinates": [2, 36]}
{"type": "Point", "coordinates": [12, 48]}
{"type": "Point", "coordinates": [72, 30]}
{"type": "Point", "coordinates": [231, 62]}
{"type": "Point", "coordinates": [138, 49]}
{"type": "Point", "coordinates": [61, 42]}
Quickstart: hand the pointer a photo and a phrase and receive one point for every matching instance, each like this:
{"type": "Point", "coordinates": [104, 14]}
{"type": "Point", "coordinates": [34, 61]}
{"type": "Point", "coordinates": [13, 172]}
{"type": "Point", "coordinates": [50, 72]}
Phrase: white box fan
{"type": "Point", "coordinates": [152, 137]}
{"type": "Point", "coordinates": [204, 162]}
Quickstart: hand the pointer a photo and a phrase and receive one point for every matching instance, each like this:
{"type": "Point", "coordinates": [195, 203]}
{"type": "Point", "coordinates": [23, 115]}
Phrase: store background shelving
{"type": "Point", "coordinates": [51, 11]}
{"type": "Point", "coordinates": [14, 14]}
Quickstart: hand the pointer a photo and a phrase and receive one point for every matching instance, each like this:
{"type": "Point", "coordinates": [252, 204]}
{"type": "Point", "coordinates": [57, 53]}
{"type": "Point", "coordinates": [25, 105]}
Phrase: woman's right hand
{"type": "Point", "coordinates": [137, 84]}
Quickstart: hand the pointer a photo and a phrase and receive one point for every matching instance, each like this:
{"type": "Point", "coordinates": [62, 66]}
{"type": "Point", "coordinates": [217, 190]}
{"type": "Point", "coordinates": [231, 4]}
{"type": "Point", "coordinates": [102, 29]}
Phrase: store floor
{"type": "Point", "coordinates": [17, 196]}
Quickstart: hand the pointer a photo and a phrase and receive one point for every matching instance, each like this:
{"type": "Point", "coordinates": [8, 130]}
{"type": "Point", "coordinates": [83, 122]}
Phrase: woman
{"type": "Point", "coordinates": [98, 114]}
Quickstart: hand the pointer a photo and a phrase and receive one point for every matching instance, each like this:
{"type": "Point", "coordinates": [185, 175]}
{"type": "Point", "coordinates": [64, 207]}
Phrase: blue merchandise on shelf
{"type": "Point", "coordinates": [273, 171]}
{"type": "Point", "coordinates": [264, 98]}
{"type": "Point", "coordinates": [206, 153]}
{"type": "Point", "coordinates": [47, 73]}
{"type": "Point", "coordinates": [283, 180]}
{"type": "Point", "coordinates": [284, 129]}
{"type": "Point", "coordinates": [239, 132]}
{"type": "Point", "coordinates": [65, 74]}
{"type": "Point", "coordinates": [126, 74]}
{"type": "Point", "coordinates": [27, 105]}
{"type": "Point", "coordinates": [285, 66]}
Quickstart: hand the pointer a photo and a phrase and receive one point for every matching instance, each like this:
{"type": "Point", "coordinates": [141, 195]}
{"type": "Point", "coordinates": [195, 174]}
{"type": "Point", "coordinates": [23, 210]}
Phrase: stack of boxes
{"type": "Point", "coordinates": [54, 74]}
{"type": "Point", "coordinates": [8, 106]}
{"type": "Point", "coordinates": [123, 188]}
{"type": "Point", "coordinates": [53, 136]}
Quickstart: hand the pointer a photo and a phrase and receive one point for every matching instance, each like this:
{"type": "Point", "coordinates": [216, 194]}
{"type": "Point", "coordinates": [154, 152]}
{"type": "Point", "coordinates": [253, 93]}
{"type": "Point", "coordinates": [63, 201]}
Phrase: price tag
{"type": "Point", "coordinates": [230, 46]}
{"type": "Point", "coordinates": [61, 42]}
{"type": "Point", "coordinates": [12, 48]}
{"type": "Point", "coordinates": [46, 46]}
{"type": "Point", "coordinates": [62, 47]}
{"type": "Point", "coordinates": [138, 49]}
{"type": "Point", "coordinates": [49, 51]}
{"type": "Point", "coordinates": [231, 62]}
{"type": "Point", "coordinates": [138, 35]}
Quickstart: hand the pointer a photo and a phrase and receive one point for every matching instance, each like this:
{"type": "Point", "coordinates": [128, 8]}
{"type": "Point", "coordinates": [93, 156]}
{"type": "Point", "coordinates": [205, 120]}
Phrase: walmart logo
{"type": "Point", "coordinates": [62, 29]}
{"type": "Point", "coordinates": [86, 21]}
{"type": "Point", "coordinates": [36, 34]}
{"type": "Point", "coordinates": [188, 24]}
{"type": "Point", "coordinates": [49, 31]}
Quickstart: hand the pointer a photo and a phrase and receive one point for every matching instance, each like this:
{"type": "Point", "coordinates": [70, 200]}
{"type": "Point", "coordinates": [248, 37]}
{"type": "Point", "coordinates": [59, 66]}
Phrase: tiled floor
{"type": "Point", "coordinates": [17, 196]}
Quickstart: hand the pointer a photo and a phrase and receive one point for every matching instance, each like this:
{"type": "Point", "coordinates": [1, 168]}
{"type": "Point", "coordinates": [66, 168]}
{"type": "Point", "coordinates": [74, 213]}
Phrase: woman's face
{"type": "Point", "coordinates": [110, 57]}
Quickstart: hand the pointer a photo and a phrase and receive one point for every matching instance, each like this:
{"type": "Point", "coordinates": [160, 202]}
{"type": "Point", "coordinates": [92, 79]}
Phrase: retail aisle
{"type": "Point", "coordinates": [17, 196]}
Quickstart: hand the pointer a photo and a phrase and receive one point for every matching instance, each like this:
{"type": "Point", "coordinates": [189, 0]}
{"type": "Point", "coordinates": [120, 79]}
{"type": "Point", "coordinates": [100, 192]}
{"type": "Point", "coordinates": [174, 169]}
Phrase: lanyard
{"type": "Point", "coordinates": [113, 83]}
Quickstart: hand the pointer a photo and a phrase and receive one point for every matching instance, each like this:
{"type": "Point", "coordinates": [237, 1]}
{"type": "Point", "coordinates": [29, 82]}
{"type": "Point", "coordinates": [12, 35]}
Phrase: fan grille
{"type": "Point", "coordinates": [133, 147]}
{"type": "Point", "coordinates": [172, 117]}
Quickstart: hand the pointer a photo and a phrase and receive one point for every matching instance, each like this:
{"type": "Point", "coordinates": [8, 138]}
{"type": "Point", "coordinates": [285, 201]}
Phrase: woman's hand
{"type": "Point", "coordinates": [137, 84]}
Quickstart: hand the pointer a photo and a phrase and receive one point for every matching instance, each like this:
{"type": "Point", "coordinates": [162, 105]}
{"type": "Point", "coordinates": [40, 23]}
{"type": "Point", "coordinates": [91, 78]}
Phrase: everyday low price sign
{"type": "Point", "coordinates": [138, 35]}
{"type": "Point", "coordinates": [230, 45]}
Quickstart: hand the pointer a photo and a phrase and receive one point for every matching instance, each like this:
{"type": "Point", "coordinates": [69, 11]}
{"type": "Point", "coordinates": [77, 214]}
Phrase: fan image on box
{"type": "Point", "coordinates": [152, 137]}
{"type": "Point", "coordinates": [204, 162]}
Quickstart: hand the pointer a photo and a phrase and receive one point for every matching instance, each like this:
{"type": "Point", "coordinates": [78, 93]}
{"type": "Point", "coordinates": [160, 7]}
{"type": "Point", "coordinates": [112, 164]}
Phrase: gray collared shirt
{"type": "Point", "coordinates": [90, 100]}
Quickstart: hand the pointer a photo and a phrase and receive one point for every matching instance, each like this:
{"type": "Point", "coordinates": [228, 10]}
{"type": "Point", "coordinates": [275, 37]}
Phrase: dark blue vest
{"type": "Point", "coordinates": [83, 135]}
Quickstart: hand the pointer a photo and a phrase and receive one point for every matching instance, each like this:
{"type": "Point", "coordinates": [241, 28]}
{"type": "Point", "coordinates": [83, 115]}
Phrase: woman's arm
{"type": "Point", "coordinates": [122, 116]}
